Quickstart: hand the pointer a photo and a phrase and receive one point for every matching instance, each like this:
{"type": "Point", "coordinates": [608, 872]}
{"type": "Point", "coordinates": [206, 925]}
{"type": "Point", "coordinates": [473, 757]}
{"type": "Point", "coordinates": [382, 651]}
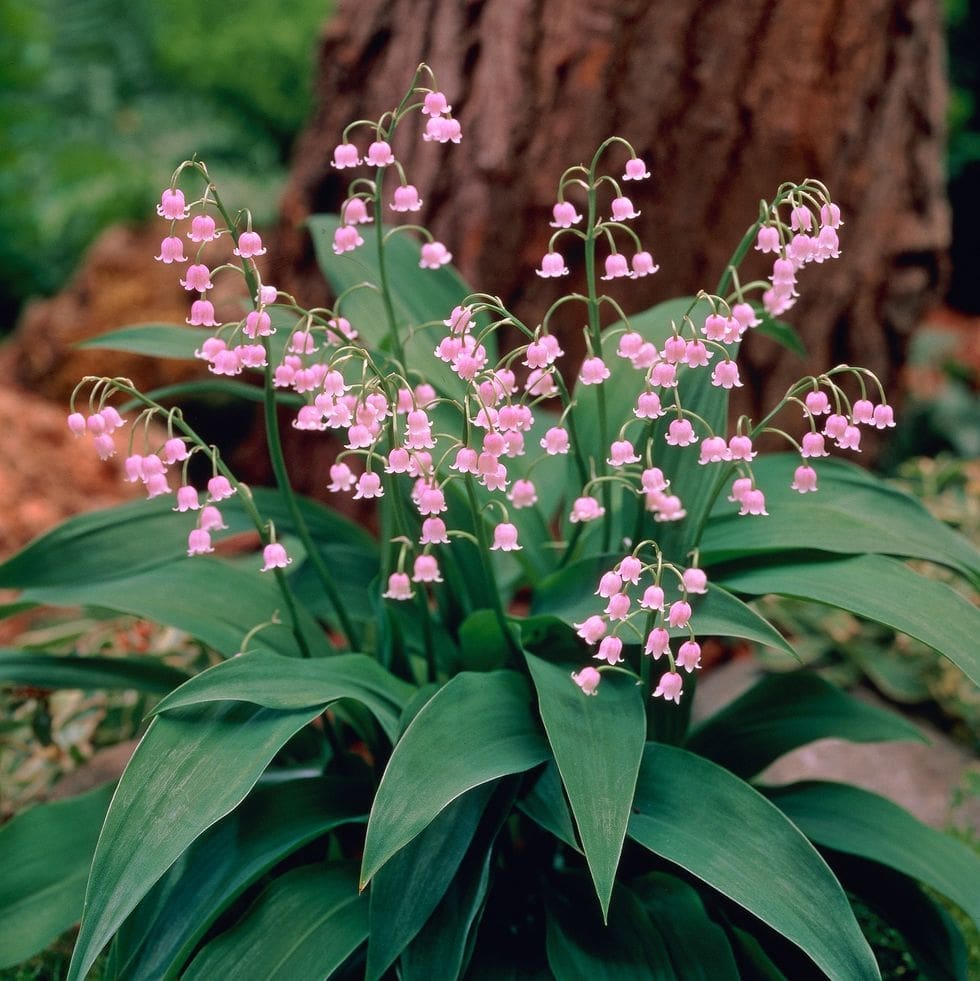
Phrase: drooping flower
{"type": "Point", "coordinates": [219, 488]}
{"type": "Point", "coordinates": [434, 255]}
{"type": "Point", "coordinates": [552, 264]}
{"type": "Point", "coordinates": [636, 170]}
{"type": "Point", "coordinates": [274, 557]}
{"type": "Point", "coordinates": [657, 643]}
{"type": "Point", "coordinates": [435, 104]}
{"type": "Point", "coordinates": [621, 453]}
{"type": "Point", "coordinates": [249, 245]}
{"type": "Point", "coordinates": [199, 542]}
{"type": "Point", "coordinates": [171, 250]}
{"type": "Point", "coordinates": [670, 687]}
{"type": "Point", "coordinates": [586, 509]}
{"type": "Point", "coordinates": [345, 239]}
{"type": "Point", "coordinates": [768, 239]}
{"type": "Point", "coordinates": [202, 229]}
{"type": "Point", "coordinates": [198, 278]}
{"type": "Point", "coordinates": [406, 198]}
{"type": "Point", "coordinates": [643, 265]}
{"type": "Point", "coordinates": [610, 650]}
{"type": "Point", "coordinates": [587, 679]}
{"type": "Point", "coordinates": [679, 613]}
{"type": "Point", "coordinates": [753, 502]}
{"type": "Point", "coordinates": [681, 433]}
{"type": "Point", "coordinates": [804, 480]}
{"type": "Point", "coordinates": [630, 568]}
{"type": "Point", "coordinates": [523, 494]}
{"type": "Point", "coordinates": [592, 629]}
{"type": "Point", "coordinates": [505, 538]}
{"type": "Point", "coordinates": [345, 155]}
{"type": "Point", "coordinates": [695, 580]}
{"type": "Point", "coordinates": [211, 519]}
{"type": "Point", "coordinates": [379, 154]}
{"type": "Point", "coordinates": [616, 266]}
{"type": "Point", "coordinates": [434, 532]}
{"type": "Point", "coordinates": [812, 445]}
{"type": "Point", "coordinates": [740, 448]}
{"type": "Point", "coordinates": [172, 204]}
{"type": "Point", "coordinates": [426, 569]}
{"type": "Point", "coordinates": [202, 314]}
{"type": "Point", "coordinates": [689, 655]}
{"type": "Point", "coordinates": [653, 598]}
{"type": "Point", "coordinates": [622, 209]}
{"type": "Point", "coordinates": [399, 587]}
{"type": "Point", "coordinates": [565, 215]}
{"type": "Point", "coordinates": [555, 441]}
{"type": "Point", "coordinates": [725, 375]}
{"type": "Point", "coordinates": [593, 371]}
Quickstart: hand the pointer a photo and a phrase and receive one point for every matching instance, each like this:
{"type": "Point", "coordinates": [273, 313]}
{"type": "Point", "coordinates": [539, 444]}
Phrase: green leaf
{"type": "Point", "coordinates": [784, 711]}
{"type": "Point", "coordinates": [189, 770]}
{"type": "Point", "coordinates": [581, 948]}
{"type": "Point", "coordinates": [697, 815]}
{"type": "Point", "coordinates": [478, 728]}
{"type": "Point", "coordinates": [121, 541]}
{"type": "Point", "coordinates": [209, 599]}
{"type": "Point", "coordinates": [443, 947]}
{"type": "Point", "coordinates": [570, 595]}
{"type": "Point", "coordinates": [153, 340]}
{"type": "Point", "coordinates": [277, 682]}
{"type": "Point", "coordinates": [933, 939]}
{"type": "Point", "coordinates": [406, 890]}
{"type": "Point", "coordinates": [546, 804]}
{"type": "Point", "coordinates": [597, 744]}
{"type": "Point", "coordinates": [45, 853]}
{"type": "Point", "coordinates": [782, 333]}
{"type": "Point", "coordinates": [274, 821]}
{"type": "Point", "coordinates": [858, 822]}
{"type": "Point", "coordinates": [878, 588]}
{"type": "Point", "coordinates": [698, 947]}
{"type": "Point", "coordinates": [304, 925]}
{"type": "Point", "coordinates": [853, 513]}
{"type": "Point", "coordinates": [88, 672]}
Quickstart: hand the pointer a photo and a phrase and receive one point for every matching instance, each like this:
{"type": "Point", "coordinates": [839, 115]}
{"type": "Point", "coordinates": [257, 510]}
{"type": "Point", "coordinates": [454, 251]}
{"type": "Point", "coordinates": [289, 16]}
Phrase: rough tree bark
{"type": "Point", "coordinates": [724, 100]}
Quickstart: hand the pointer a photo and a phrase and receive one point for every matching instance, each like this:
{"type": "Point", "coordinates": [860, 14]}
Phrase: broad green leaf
{"type": "Point", "coordinates": [582, 948]}
{"type": "Point", "coordinates": [698, 947]}
{"type": "Point", "coordinates": [45, 853]}
{"type": "Point", "coordinates": [443, 947]}
{"type": "Point", "coordinates": [304, 925]}
{"type": "Point", "coordinates": [478, 728]}
{"type": "Point", "coordinates": [598, 744]}
{"type": "Point", "coordinates": [273, 681]}
{"type": "Point", "coordinates": [858, 822]}
{"type": "Point", "coordinates": [784, 334]}
{"type": "Point", "coordinates": [880, 589]}
{"type": "Point", "coordinates": [851, 513]}
{"type": "Point", "coordinates": [189, 770]}
{"type": "Point", "coordinates": [273, 821]}
{"type": "Point", "coordinates": [211, 600]}
{"type": "Point", "coordinates": [118, 542]}
{"type": "Point", "coordinates": [88, 672]}
{"type": "Point", "coordinates": [784, 711]}
{"type": "Point", "coordinates": [570, 595]}
{"type": "Point", "coordinates": [545, 803]}
{"type": "Point", "coordinates": [932, 937]}
{"type": "Point", "coordinates": [178, 341]}
{"type": "Point", "coordinates": [708, 821]}
{"type": "Point", "coordinates": [153, 340]}
{"type": "Point", "coordinates": [406, 890]}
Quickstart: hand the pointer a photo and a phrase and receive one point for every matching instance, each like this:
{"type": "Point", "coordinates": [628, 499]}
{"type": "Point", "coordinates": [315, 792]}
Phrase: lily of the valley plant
{"type": "Point", "coordinates": [462, 747]}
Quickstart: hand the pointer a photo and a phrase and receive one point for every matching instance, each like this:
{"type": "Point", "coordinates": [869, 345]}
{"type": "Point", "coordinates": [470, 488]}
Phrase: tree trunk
{"type": "Point", "coordinates": [724, 100]}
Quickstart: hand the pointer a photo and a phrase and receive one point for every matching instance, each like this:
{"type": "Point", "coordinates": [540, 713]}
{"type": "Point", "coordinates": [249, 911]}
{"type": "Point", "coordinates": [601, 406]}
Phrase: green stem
{"type": "Point", "coordinates": [595, 335]}
{"type": "Point", "coordinates": [278, 461]}
{"type": "Point", "coordinates": [484, 549]}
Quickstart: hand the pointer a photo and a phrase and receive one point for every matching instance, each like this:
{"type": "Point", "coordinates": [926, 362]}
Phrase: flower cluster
{"type": "Point", "coordinates": [619, 587]}
{"type": "Point", "coordinates": [506, 413]}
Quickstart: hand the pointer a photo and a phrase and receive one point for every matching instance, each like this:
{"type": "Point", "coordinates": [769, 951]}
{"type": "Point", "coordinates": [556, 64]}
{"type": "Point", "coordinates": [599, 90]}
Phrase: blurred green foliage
{"type": "Point", "coordinates": [101, 99]}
